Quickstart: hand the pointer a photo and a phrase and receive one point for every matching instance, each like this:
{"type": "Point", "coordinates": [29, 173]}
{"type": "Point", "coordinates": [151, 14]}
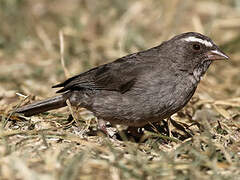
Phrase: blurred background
{"type": "Point", "coordinates": [53, 146]}
{"type": "Point", "coordinates": [96, 32]}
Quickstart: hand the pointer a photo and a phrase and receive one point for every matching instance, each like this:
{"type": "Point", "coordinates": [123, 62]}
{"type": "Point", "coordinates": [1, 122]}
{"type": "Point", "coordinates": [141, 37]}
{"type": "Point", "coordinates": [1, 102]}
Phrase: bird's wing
{"type": "Point", "coordinates": [119, 75]}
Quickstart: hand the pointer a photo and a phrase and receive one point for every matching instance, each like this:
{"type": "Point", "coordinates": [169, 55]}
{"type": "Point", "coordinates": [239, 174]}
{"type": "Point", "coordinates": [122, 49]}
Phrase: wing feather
{"type": "Point", "coordinates": [116, 76]}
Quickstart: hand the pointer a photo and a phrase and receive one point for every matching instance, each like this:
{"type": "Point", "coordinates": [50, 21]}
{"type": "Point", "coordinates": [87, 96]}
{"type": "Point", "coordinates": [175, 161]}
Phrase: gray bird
{"type": "Point", "coordinates": [139, 88]}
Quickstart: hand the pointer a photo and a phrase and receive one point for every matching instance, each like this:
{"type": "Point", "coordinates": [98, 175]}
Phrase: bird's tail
{"type": "Point", "coordinates": [44, 105]}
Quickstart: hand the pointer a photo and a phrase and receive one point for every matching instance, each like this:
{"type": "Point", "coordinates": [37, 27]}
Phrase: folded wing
{"type": "Point", "coordinates": [119, 75]}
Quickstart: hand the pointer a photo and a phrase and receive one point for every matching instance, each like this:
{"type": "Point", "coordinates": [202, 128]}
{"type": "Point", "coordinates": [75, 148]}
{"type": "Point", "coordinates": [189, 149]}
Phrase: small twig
{"type": "Point", "coordinates": [71, 111]}
{"type": "Point", "coordinates": [14, 110]}
{"type": "Point", "coordinates": [66, 72]}
{"type": "Point", "coordinates": [157, 134]}
{"type": "Point", "coordinates": [162, 136]}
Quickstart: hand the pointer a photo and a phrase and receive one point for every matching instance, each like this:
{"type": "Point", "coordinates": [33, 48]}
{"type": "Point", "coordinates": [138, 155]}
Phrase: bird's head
{"type": "Point", "coordinates": [194, 52]}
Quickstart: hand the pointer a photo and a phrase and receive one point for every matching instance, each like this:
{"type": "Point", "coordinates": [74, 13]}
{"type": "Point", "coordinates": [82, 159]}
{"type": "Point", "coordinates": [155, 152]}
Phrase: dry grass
{"type": "Point", "coordinates": [52, 146]}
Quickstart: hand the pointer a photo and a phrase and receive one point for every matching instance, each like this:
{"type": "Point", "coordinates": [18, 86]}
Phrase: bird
{"type": "Point", "coordinates": [139, 88]}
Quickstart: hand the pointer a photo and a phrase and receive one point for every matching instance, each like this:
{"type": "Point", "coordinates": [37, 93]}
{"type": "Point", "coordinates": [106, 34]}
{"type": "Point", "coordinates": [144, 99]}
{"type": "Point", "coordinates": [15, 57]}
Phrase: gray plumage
{"type": "Point", "coordinates": [143, 87]}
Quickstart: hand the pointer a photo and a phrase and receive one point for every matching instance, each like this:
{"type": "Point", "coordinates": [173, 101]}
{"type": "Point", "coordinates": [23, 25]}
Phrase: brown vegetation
{"type": "Point", "coordinates": [52, 146]}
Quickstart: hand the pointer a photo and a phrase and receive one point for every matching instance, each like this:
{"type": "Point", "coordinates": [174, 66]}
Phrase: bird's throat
{"type": "Point", "coordinates": [200, 70]}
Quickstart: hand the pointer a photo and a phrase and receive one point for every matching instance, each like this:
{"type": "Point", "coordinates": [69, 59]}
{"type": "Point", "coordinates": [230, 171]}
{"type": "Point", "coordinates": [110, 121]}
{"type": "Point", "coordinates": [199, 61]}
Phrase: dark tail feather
{"type": "Point", "coordinates": [44, 105]}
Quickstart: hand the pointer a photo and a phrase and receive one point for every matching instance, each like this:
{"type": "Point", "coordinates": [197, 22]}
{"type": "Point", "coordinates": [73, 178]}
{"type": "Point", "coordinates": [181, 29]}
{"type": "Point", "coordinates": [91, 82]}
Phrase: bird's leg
{"type": "Point", "coordinates": [102, 127]}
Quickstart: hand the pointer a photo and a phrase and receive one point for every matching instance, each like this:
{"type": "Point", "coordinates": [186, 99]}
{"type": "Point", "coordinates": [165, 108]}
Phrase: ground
{"type": "Point", "coordinates": [205, 138]}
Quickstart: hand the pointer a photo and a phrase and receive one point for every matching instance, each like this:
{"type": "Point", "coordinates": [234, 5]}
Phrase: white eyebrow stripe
{"type": "Point", "coordinates": [194, 39]}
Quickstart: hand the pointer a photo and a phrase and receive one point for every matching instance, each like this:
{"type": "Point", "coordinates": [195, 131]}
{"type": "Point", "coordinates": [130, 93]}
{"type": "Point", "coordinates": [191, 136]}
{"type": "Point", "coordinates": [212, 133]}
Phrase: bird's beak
{"type": "Point", "coordinates": [216, 55]}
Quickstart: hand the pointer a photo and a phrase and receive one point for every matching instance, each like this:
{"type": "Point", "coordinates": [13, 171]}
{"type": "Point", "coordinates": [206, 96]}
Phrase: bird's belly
{"type": "Point", "coordinates": [138, 107]}
{"type": "Point", "coordinates": [139, 110]}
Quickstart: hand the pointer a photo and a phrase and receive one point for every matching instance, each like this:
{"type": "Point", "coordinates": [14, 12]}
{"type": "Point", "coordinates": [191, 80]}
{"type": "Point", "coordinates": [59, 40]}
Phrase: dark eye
{"type": "Point", "coordinates": [196, 47]}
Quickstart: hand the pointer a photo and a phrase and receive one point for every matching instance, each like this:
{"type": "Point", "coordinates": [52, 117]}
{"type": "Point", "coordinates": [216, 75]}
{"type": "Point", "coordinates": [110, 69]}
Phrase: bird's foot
{"type": "Point", "coordinates": [131, 133]}
{"type": "Point", "coordinates": [103, 128]}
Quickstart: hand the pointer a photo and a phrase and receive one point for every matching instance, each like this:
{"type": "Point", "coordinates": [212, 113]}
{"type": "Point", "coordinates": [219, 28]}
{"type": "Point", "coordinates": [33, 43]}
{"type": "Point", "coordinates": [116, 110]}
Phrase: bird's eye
{"type": "Point", "coordinates": [196, 47]}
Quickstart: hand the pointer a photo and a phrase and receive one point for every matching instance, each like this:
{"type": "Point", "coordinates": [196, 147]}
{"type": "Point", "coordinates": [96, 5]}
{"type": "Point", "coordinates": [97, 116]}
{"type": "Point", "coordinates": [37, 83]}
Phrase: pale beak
{"type": "Point", "coordinates": [216, 55]}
